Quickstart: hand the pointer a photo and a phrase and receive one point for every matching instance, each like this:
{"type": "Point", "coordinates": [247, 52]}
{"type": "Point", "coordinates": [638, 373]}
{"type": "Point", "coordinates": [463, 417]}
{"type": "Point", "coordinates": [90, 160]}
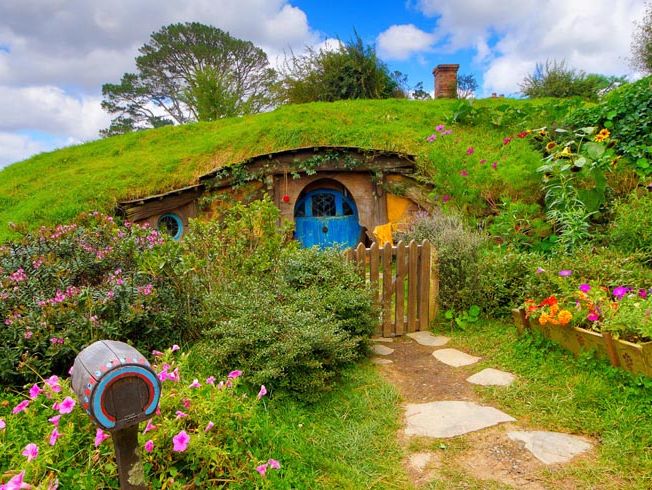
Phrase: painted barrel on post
{"type": "Point", "coordinates": [117, 387]}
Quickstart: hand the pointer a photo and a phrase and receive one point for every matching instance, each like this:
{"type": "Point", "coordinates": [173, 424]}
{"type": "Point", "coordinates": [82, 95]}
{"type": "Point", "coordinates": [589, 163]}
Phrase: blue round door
{"type": "Point", "coordinates": [326, 218]}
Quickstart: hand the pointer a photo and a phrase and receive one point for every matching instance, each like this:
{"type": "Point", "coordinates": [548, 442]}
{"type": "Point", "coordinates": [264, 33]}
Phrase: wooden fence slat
{"type": "Point", "coordinates": [424, 285]}
{"type": "Point", "coordinates": [387, 289]}
{"type": "Point", "coordinates": [374, 259]}
{"type": "Point", "coordinates": [433, 306]}
{"type": "Point", "coordinates": [401, 266]}
{"type": "Point", "coordinates": [361, 256]}
{"type": "Point", "coordinates": [412, 286]}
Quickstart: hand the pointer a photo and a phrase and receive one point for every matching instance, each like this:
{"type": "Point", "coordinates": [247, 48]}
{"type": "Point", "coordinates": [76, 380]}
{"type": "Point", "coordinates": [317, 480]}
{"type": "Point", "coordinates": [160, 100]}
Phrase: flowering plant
{"type": "Point", "coordinates": [204, 431]}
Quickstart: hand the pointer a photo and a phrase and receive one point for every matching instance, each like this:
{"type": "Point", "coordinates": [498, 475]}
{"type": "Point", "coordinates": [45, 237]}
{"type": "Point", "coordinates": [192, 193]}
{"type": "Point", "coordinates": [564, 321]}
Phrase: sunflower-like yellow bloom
{"type": "Point", "coordinates": [550, 146]}
{"type": "Point", "coordinates": [566, 152]}
{"type": "Point", "coordinates": [602, 135]}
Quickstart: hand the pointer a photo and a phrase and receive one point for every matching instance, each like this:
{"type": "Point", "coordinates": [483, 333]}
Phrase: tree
{"type": "Point", "coordinates": [466, 86]}
{"type": "Point", "coordinates": [555, 79]}
{"type": "Point", "coordinates": [642, 43]}
{"type": "Point", "coordinates": [352, 71]}
{"type": "Point", "coordinates": [189, 72]}
{"type": "Point", "coordinates": [419, 94]}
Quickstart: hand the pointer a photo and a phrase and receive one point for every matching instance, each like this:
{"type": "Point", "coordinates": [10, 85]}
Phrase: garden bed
{"type": "Point", "coordinates": [633, 357]}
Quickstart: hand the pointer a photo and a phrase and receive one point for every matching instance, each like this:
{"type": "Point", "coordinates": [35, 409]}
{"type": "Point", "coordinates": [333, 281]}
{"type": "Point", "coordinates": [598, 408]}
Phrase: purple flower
{"type": "Point", "coordinates": [234, 374]}
{"type": "Point", "coordinates": [195, 384]}
{"type": "Point", "coordinates": [262, 469]}
{"type": "Point", "coordinates": [540, 270]}
{"type": "Point", "coordinates": [66, 405]}
{"type": "Point", "coordinates": [593, 317]}
{"type": "Point", "coordinates": [34, 391]}
{"type": "Point", "coordinates": [274, 464]}
{"type": "Point", "coordinates": [464, 173]}
{"type": "Point", "coordinates": [565, 273]}
{"type": "Point", "coordinates": [54, 435]}
{"type": "Point", "coordinates": [181, 441]}
{"type": "Point", "coordinates": [642, 293]}
{"type": "Point", "coordinates": [210, 380]}
{"type": "Point", "coordinates": [585, 288]}
{"type": "Point", "coordinates": [149, 446]}
{"type": "Point", "coordinates": [619, 292]}
{"type": "Point", "coordinates": [181, 414]}
{"type": "Point", "coordinates": [445, 198]}
{"type": "Point", "coordinates": [262, 392]}
{"type": "Point", "coordinates": [20, 407]}
{"type": "Point", "coordinates": [440, 128]}
{"type": "Point", "coordinates": [470, 150]}
{"type": "Point", "coordinates": [209, 426]}
{"type": "Point", "coordinates": [30, 451]}
{"type": "Point", "coordinates": [431, 138]}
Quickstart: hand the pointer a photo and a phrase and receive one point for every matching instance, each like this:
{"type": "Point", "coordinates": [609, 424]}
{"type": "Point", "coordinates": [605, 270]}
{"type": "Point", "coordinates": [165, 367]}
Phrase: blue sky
{"type": "Point", "coordinates": [55, 55]}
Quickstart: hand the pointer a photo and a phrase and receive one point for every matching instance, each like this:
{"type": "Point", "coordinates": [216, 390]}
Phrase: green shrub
{"type": "Point", "coordinates": [631, 228]}
{"type": "Point", "coordinates": [293, 331]}
{"type": "Point", "coordinates": [458, 248]}
{"type": "Point", "coordinates": [62, 288]}
{"type": "Point", "coordinates": [229, 451]}
{"type": "Point", "coordinates": [520, 225]}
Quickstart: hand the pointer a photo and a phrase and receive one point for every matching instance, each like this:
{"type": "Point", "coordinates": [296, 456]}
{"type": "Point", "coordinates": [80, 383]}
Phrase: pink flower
{"type": "Point", "coordinates": [642, 293]}
{"type": "Point", "coordinates": [445, 198]}
{"type": "Point", "coordinates": [30, 451]}
{"type": "Point", "coordinates": [565, 273]}
{"type": "Point", "coordinates": [483, 161]}
{"type": "Point", "coordinates": [494, 165]}
{"type": "Point", "coordinates": [540, 270]}
{"type": "Point", "coordinates": [262, 469]}
{"type": "Point", "coordinates": [66, 405]}
{"type": "Point", "coordinates": [209, 426]}
{"type": "Point", "coordinates": [16, 483]}
{"type": "Point", "coordinates": [464, 173]}
{"type": "Point", "coordinates": [18, 276]}
{"type": "Point", "coordinates": [186, 403]}
{"type": "Point", "coordinates": [470, 150]}
{"type": "Point", "coordinates": [585, 288]}
{"type": "Point", "coordinates": [210, 380]}
{"type": "Point", "coordinates": [180, 414]}
{"type": "Point", "coordinates": [275, 465]}
{"type": "Point", "coordinates": [262, 392]}
{"type": "Point", "coordinates": [507, 140]}
{"type": "Point", "coordinates": [181, 441]}
{"type": "Point", "coordinates": [34, 391]}
{"type": "Point", "coordinates": [440, 128]}
{"type": "Point", "coordinates": [194, 384]}
{"type": "Point", "coordinates": [619, 292]}
{"type": "Point", "coordinates": [3, 424]}
{"type": "Point", "coordinates": [175, 348]}
{"type": "Point", "coordinates": [53, 383]}
{"type": "Point", "coordinates": [100, 437]}
{"type": "Point", "coordinates": [149, 427]}
{"type": "Point", "coordinates": [431, 138]}
{"type": "Point", "coordinates": [149, 446]}
{"type": "Point", "coordinates": [234, 374]}
{"type": "Point", "coordinates": [593, 317]}
{"type": "Point", "coordinates": [20, 407]}
{"type": "Point", "coordinates": [54, 435]}
{"type": "Point", "coordinates": [55, 419]}
{"type": "Point", "coordinates": [157, 353]}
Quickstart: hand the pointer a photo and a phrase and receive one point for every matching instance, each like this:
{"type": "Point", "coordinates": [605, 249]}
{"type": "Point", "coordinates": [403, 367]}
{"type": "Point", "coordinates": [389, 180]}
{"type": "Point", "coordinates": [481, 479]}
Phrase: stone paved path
{"type": "Point", "coordinates": [440, 403]}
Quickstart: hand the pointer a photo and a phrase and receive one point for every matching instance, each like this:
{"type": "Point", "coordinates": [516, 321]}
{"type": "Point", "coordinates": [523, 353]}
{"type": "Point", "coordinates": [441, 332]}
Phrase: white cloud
{"type": "Point", "coordinates": [591, 35]}
{"type": "Point", "coordinates": [399, 42]}
{"type": "Point", "coordinates": [16, 147]}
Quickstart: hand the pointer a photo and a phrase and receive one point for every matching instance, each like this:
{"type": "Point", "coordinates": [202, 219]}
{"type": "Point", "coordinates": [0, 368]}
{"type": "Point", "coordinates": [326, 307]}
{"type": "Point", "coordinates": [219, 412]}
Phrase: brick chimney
{"type": "Point", "coordinates": [446, 81]}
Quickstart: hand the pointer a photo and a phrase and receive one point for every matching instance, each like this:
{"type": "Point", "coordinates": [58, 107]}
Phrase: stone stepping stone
{"type": "Point", "coordinates": [551, 447]}
{"type": "Point", "coordinates": [492, 377]}
{"type": "Point", "coordinates": [450, 418]}
{"type": "Point", "coordinates": [382, 339]}
{"type": "Point", "coordinates": [380, 361]}
{"type": "Point", "coordinates": [426, 338]}
{"type": "Point", "coordinates": [454, 357]}
{"type": "Point", "coordinates": [381, 350]}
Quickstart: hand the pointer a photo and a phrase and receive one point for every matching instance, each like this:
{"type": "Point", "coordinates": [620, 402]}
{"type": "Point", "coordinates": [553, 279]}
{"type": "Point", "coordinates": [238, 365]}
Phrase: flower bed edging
{"type": "Point", "coordinates": [635, 358]}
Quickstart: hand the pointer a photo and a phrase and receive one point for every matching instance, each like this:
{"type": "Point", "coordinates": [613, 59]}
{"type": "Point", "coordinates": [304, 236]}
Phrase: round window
{"type": "Point", "coordinates": [171, 225]}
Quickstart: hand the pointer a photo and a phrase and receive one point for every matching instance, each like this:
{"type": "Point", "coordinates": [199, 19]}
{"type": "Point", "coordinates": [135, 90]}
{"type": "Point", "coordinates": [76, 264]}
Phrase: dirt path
{"type": "Point", "coordinates": [485, 458]}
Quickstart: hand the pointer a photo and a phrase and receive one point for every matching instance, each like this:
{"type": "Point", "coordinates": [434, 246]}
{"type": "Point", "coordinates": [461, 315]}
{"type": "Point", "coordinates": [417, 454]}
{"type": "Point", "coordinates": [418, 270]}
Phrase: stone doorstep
{"type": "Point", "coordinates": [428, 339]}
{"type": "Point", "coordinates": [551, 447]}
{"type": "Point", "coordinates": [454, 357]}
{"type": "Point", "coordinates": [445, 419]}
{"type": "Point", "coordinates": [491, 377]}
{"type": "Point", "coordinates": [381, 350]}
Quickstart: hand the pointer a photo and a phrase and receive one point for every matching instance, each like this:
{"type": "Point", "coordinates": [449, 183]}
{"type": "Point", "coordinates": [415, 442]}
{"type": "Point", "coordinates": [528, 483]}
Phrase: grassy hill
{"type": "Point", "coordinates": [54, 187]}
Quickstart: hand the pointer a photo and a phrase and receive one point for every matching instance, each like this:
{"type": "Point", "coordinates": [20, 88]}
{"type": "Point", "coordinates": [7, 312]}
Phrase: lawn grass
{"type": "Point", "coordinates": [54, 187]}
{"type": "Point", "coordinates": [583, 396]}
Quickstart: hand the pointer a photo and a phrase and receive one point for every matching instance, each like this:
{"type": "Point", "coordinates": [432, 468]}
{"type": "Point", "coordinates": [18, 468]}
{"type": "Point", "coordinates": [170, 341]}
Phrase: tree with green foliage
{"type": "Point", "coordinates": [642, 43]}
{"type": "Point", "coordinates": [419, 94]}
{"type": "Point", "coordinates": [189, 72]}
{"type": "Point", "coordinates": [556, 79]}
{"type": "Point", "coordinates": [352, 71]}
{"type": "Point", "coordinates": [466, 86]}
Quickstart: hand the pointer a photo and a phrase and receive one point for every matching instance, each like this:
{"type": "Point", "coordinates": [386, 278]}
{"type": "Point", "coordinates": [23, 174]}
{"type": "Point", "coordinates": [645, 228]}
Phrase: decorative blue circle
{"type": "Point", "coordinates": [171, 224]}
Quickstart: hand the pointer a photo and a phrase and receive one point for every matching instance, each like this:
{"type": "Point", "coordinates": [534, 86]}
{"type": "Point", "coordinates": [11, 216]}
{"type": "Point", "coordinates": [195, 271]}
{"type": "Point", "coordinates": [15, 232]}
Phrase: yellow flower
{"type": "Point", "coordinates": [550, 146]}
{"type": "Point", "coordinates": [543, 132]}
{"type": "Point", "coordinates": [543, 319]}
{"type": "Point", "coordinates": [566, 152]}
{"type": "Point", "coordinates": [565, 317]}
{"type": "Point", "coordinates": [602, 135]}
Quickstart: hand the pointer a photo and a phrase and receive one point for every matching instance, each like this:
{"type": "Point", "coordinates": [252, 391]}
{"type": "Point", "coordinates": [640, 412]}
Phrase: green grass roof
{"type": "Point", "coordinates": [54, 187]}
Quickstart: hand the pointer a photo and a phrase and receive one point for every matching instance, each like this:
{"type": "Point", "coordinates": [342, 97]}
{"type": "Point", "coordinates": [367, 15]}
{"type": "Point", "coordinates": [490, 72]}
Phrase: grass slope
{"type": "Point", "coordinates": [54, 187]}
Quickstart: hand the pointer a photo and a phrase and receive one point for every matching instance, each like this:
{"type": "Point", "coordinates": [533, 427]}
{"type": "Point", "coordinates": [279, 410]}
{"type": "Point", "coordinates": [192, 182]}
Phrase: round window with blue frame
{"type": "Point", "coordinates": [171, 225]}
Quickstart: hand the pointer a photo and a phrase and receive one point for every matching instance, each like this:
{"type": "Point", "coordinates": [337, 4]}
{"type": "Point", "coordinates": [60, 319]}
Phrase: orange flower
{"type": "Point", "coordinates": [554, 309]}
{"type": "Point", "coordinates": [565, 317]}
{"type": "Point", "coordinates": [543, 319]}
{"type": "Point", "coordinates": [602, 135]}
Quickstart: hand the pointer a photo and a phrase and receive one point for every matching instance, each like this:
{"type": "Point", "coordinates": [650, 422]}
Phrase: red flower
{"type": "Point", "coordinates": [549, 301]}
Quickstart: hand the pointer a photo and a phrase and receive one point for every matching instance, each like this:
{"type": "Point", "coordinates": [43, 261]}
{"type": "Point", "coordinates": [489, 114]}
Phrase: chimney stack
{"type": "Point", "coordinates": [446, 81]}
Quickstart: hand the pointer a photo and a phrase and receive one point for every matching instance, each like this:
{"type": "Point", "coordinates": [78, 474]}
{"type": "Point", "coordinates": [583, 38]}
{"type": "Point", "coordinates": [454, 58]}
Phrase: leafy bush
{"type": "Point", "coordinates": [627, 113]}
{"type": "Point", "coordinates": [64, 287]}
{"type": "Point", "coordinates": [630, 230]}
{"type": "Point", "coordinates": [458, 249]}
{"type": "Point", "coordinates": [219, 420]}
{"type": "Point", "coordinates": [295, 330]}
{"type": "Point", "coordinates": [521, 225]}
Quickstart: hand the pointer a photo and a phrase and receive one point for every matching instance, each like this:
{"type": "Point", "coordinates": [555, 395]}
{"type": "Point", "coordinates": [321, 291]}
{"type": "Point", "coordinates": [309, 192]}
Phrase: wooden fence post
{"type": "Point", "coordinates": [412, 286]}
{"type": "Point", "coordinates": [401, 268]}
{"type": "Point", "coordinates": [424, 285]}
{"type": "Point", "coordinates": [373, 271]}
{"type": "Point", "coordinates": [433, 303]}
{"type": "Point", "coordinates": [387, 289]}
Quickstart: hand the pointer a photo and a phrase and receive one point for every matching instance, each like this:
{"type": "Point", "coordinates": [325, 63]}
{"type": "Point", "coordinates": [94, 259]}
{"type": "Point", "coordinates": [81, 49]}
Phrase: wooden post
{"type": "Point", "coordinates": [412, 286]}
{"type": "Point", "coordinates": [373, 270]}
{"type": "Point", "coordinates": [433, 300]}
{"type": "Point", "coordinates": [387, 289]}
{"type": "Point", "coordinates": [401, 266]}
{"type": "Point", "coordinates": [130, 469]}
{"type": "Point", "coordinates": [611, 349]}
{"type": "Point", "coordinates": [424, 285]}
{"type": "Point", "coordinates": [361, 257]}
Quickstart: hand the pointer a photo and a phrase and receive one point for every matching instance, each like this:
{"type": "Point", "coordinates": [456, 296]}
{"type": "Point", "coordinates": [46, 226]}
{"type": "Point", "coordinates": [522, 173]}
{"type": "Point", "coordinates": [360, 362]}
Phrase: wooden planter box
{"type": "Point", "coordinates": [636, 358]}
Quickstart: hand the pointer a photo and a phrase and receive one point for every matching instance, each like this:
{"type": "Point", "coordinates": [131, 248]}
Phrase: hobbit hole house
{"type": "Point", "coordinates": [333, 195]}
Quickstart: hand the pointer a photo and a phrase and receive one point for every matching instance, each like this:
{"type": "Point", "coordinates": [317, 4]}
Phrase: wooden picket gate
{"type": "Point", "coordinates": [405, 283]}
